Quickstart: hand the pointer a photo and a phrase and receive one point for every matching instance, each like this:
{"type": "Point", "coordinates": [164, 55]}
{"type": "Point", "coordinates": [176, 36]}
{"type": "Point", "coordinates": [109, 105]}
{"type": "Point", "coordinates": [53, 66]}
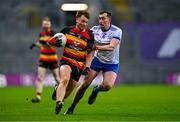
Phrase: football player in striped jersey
{"type": "Point", "coordinates": [48, 58]}
{"type": "Point", "coordinates": [76, 57]}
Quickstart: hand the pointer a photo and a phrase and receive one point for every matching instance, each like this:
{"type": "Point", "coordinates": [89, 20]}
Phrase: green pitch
{"type": "Point", "coordinates": [121, 103]}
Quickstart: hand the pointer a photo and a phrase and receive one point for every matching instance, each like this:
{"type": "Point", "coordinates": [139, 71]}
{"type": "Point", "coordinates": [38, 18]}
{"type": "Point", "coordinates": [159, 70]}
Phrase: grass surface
{"type": "Point", "coordinates": [121, 103]}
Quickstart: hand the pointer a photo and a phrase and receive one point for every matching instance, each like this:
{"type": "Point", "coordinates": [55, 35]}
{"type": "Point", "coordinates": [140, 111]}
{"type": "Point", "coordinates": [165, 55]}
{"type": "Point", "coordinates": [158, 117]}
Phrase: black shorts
{"type": "Point", "coordinates": [76, 72]}
{"type": "Point", "coordinates": [49, 65]}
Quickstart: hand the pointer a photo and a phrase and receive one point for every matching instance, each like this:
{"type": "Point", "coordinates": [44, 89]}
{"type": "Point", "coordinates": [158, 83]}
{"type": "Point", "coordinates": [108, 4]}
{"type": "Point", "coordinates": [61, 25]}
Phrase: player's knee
{"type": "Point", "coordinates": [40, 78]}
{"type": "Point", "coordinates": [107, 87]}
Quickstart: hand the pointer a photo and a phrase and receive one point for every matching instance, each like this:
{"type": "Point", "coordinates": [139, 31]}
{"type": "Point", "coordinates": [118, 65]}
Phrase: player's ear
{"type": "Point", "coordinates": [77, 19]}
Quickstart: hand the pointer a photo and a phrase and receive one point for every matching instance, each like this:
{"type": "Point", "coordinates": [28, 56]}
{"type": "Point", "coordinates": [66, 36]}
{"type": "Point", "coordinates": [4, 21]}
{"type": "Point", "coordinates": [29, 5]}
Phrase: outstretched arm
{"type": "Point", "coordinates": [37, 44]}
{"type": "Point", "coordinates": [108, 47]}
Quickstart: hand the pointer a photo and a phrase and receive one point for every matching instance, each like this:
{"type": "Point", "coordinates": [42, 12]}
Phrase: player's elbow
{"type": "Point", "coordinates": [111, 48]}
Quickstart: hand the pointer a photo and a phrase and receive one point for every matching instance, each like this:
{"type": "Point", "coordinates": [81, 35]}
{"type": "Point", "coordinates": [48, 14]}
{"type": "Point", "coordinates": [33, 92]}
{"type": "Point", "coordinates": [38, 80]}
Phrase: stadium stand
{"type": "Point", "coordinates": [20, 25]}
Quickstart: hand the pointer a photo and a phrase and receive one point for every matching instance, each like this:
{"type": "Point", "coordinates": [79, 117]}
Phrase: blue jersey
{"type": "Point", "coordinates": [104, 38]}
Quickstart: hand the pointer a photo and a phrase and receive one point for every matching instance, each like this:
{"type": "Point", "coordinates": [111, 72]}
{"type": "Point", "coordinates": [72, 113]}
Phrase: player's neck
{"type": "Point", "coordinates": [80, 29]}
{"type": "Point", "coordinates": [47, 30]}
{"type": "Point", "coordinates": [106, 28]}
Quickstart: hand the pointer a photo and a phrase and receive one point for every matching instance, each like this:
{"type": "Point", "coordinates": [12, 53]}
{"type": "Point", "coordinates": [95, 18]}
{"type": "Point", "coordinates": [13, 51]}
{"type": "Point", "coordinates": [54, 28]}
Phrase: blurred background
{"type": "Point", "coordinates": [150, 48]}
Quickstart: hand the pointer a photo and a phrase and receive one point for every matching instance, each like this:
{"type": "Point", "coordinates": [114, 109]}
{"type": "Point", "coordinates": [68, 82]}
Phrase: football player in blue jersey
{"type": "Point", "coordinates": [106, 59]}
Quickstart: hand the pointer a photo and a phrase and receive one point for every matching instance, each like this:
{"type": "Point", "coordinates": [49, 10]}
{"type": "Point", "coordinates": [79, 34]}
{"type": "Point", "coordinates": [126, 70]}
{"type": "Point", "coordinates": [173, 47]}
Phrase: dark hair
{"type": "Point", "coordinates": [80, 13]}
{"type": "Point", "coordinates": [46, 19]}
{"type": "Point", "coordinates": [109, 14]}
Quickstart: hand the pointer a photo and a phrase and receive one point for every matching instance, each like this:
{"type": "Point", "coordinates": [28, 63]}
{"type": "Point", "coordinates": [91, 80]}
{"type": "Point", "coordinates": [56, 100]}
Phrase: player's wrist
{"type": "Point", "coordinates": [86, 71]}
{"type": "Point", "coordinates": [97, 47]}
{"type": "Point", "coordinates": [32, 46]}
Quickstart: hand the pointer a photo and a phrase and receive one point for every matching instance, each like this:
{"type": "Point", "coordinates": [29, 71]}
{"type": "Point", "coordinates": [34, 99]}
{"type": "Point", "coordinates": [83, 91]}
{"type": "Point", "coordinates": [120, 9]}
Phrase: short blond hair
{"type": "Point", "coordinates": [46, 19]}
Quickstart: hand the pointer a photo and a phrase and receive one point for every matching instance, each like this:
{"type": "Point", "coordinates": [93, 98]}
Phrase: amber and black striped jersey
{"type": "Point", "coordinates": [48, 53]}
{"type": "Point", "coordinates": [76, 47]}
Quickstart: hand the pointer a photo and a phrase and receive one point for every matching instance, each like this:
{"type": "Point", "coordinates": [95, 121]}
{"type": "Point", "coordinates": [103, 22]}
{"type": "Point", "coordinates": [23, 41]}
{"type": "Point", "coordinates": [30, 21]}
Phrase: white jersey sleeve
{"type": "Point", "coordinates": [117, 34]}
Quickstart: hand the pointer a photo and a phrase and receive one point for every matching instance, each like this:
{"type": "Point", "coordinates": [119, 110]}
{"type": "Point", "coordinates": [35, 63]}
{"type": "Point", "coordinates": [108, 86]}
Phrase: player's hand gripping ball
{"type": "Point", "coordinates": [58, 40]}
